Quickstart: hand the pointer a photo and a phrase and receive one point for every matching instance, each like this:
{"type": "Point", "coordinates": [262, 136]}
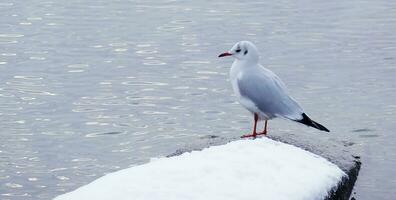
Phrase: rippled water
{"type": "Point", "coordinates": [89, 87]}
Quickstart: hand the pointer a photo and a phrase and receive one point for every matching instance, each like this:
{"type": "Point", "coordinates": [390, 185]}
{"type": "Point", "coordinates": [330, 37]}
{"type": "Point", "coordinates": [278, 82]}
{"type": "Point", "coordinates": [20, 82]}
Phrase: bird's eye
{"type": "Point", "coordinates": [238, 50]}
{"type": "Point", "coordinates": [245, 52]}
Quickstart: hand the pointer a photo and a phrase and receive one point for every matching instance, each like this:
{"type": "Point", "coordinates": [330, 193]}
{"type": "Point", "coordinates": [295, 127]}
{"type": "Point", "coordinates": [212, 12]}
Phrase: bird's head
{"type": "Point", "coordinates": [243, 50]}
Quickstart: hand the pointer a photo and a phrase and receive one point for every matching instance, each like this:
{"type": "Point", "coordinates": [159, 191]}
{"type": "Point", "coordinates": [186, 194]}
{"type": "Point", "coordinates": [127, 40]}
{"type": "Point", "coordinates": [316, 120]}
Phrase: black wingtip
{"type": "Point", "coordinates": [309, 122]}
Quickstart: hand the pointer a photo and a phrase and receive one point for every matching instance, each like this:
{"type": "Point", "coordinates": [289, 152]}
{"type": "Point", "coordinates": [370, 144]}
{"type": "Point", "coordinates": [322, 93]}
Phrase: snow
{"type": "Point", "coordinates": [240, 170]}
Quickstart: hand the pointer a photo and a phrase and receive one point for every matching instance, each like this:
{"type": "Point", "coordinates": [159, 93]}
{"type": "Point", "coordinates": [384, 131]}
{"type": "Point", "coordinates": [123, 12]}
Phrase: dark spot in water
{"type": "Point", "coordinates": [347, 144]}
{"type": "Point", "coordinates": [369, 136]}
{"type": "Point", "coordinates": [112, 133]}
{"type": "Point", "coordinates": [103, 134]}
{"type": "Point", "coordinates": [356, 157]}
{"type": "Point", "coordinates": [209, 137]}
{"type": "Point", "coordinates": [388, 58]}
{"type": "Point", "coordinates": [362, 130]}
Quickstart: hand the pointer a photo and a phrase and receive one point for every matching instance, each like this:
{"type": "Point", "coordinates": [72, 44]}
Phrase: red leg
{"type": "Point", "coordinates": [264, 132]}
{"type": "Point", "coordinates": [254, 133]}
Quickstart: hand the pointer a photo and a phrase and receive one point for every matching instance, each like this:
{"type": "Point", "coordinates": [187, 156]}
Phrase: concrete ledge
{"type": "Point", "coordinates": [341, 153]}
{"type": "Point", "coordinates": [242, 169]}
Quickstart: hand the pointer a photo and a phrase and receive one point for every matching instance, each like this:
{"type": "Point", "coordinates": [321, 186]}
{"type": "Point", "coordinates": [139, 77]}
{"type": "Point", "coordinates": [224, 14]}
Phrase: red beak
{"type": "Point", "coordinates": [225, 54]}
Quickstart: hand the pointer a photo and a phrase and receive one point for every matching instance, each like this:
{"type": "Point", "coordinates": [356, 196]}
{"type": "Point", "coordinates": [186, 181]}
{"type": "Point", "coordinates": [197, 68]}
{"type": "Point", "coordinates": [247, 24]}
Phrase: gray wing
{"type": "Point", "coordinates": [269, 94]}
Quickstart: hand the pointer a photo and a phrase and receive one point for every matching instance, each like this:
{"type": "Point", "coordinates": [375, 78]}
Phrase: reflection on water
{"type": "Point", "coordinates": [91, 87]}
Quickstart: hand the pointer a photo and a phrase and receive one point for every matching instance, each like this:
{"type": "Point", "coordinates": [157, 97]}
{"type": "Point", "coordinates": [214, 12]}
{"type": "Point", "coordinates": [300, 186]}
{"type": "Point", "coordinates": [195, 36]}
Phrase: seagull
{"type": "Point", "coordinates": [261, 91]}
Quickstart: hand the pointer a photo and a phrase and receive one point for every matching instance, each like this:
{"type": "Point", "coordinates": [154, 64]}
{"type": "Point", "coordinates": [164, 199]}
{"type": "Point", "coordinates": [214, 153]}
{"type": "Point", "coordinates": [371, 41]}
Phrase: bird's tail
{"type": "Point", "coordinates": [309, 122]}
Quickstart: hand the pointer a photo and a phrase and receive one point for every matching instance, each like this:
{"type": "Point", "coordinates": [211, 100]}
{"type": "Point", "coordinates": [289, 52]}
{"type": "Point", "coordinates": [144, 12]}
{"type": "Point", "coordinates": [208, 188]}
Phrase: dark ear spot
{"type": "Point", "coordinates": [244, 53]}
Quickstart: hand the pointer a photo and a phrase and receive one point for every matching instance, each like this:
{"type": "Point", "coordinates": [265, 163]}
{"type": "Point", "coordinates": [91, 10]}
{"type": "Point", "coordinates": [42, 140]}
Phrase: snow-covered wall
{"type": "Point", "coordinates": [240, 170]}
